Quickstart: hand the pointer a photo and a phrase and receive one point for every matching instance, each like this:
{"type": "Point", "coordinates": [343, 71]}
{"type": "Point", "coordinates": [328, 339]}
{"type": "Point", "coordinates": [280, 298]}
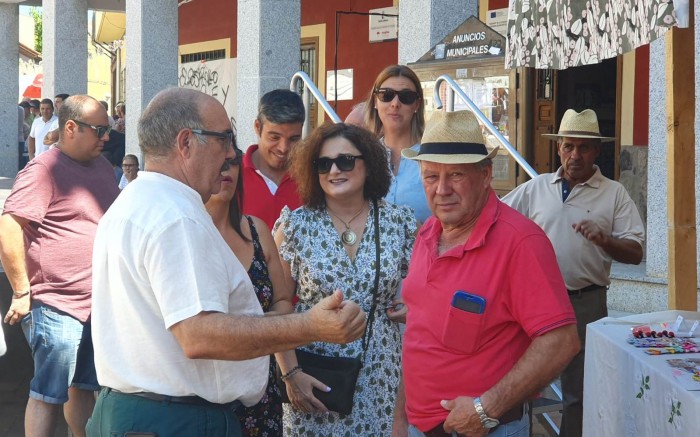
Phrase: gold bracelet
{"type": "Point", "coordinates": [19, 295]}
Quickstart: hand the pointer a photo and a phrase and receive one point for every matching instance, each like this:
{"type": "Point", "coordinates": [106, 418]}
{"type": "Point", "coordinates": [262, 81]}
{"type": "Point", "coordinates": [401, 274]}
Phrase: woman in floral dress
{"type": "Point", "coordinates": [342, 173]}
{"type": "Point", "coordinates": [252, 243]}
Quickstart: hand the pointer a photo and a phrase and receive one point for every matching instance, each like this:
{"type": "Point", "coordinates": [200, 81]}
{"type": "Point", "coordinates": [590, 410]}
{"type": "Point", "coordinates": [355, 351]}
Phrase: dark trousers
{"type": "Point", "coordinates": [589, 306]}
{"type": "Point", "coordinates": [119, 414]}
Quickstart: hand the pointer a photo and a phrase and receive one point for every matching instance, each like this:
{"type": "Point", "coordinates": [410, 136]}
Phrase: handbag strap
{"type": "Point", "coordinates": [375, 292]}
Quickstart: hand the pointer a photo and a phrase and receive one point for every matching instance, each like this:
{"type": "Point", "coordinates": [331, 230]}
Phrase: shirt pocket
{"type": "Point", "coordinates": [462, 330]}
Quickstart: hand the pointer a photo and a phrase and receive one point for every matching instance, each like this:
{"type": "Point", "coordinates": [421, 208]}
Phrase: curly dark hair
{"type": "Point", "coordinates": [375, 160]}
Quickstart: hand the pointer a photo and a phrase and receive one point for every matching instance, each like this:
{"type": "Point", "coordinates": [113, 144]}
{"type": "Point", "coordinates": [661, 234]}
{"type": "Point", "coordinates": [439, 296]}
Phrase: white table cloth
{"type": "Point", "coordinates": [630, 393]}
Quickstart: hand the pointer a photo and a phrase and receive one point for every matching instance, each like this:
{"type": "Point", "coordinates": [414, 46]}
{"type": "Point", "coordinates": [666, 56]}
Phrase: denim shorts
{"type": "Point", "coordinates": [54, 338]}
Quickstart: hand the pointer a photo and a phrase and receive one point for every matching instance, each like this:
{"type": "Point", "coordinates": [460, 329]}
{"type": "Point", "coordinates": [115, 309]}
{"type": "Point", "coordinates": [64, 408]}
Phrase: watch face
{"type": "Point", "coordinates": [490, 423]}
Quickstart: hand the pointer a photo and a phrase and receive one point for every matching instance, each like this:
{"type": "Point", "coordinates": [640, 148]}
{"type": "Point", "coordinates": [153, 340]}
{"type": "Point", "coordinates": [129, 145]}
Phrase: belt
{"type": "Point", "coordinates": [188, 400]}
{"type": "Point", "coordinates": [585, 289]}
{"type": "Point", "coordinates": [515, 413]}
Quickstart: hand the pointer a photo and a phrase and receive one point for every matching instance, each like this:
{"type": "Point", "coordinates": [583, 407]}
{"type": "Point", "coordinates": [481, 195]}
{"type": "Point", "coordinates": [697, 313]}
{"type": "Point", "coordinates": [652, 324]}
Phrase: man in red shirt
{"type": "Point", "coordinates": [267, 186]}
{"type": "Point", "coordinates": [489, 321]}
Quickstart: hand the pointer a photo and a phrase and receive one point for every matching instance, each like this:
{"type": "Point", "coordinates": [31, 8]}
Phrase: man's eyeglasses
{"type": "Point", "coordinates": [343, 162]}
{"type": "Point", "coordinates": [406, 97]}
{"type": "Point", "coordinates": [228, 136]}
{"type": "Point", "coordinates": [99, 130]}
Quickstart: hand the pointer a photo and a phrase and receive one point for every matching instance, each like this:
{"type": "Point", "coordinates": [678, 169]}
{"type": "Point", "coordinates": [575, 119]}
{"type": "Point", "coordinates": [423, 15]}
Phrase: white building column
{"type": "Point", "coordinates": [657, 187]}
{"type": "Point", "coordinates": [423, 23]}
{"type": "Point", "coordinates": [269, 33]}
{"type": "Point", "coordinates": [151, 58]}
{"type": "Point", "coordinates": [65, 47]}
{"type": "Point", "coordinates": [9, 88]}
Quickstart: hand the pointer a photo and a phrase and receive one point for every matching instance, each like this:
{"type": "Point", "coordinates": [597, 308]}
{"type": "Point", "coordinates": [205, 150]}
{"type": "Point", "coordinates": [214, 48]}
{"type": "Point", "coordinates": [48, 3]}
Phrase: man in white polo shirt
{"type": "Point", "coordinates": [40, 127]}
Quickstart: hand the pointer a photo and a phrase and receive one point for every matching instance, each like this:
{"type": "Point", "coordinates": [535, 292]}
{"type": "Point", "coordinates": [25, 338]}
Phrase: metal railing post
{"type": "Point", "coordinates": [310, 89]}
{"type": "Point", "coordinates": [482, 118]}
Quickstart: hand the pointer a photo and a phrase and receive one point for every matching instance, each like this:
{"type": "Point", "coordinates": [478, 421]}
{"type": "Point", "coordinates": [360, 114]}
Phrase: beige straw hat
{"type": "Point", "coordinates": [582, 124]}
{"type": "Point", "coordinates": [452, 138]}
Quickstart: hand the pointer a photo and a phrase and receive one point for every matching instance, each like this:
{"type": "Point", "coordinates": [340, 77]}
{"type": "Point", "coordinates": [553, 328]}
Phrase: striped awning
{"type": "Point", "coordinates": [559, 34]}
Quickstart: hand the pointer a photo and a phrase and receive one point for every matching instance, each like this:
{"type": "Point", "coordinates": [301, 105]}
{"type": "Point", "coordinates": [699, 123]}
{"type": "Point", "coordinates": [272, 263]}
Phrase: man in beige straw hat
{"type": "Point", "coordinates": [489, 323]}
{"type": "Point", "coordinates": [591, 221]}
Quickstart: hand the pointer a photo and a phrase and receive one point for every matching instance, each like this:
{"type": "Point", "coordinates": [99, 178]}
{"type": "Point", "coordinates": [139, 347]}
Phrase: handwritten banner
{"type": "Point", "coordinates": [214, 78]}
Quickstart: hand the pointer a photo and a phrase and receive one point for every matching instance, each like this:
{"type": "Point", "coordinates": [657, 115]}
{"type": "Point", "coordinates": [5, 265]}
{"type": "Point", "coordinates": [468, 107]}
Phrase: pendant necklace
{"type": "Point", "coordinates": [348, 237]}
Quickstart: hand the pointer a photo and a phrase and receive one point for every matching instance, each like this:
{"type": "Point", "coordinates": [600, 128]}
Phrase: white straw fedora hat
{"type": "Point", "coordinates": [582, 124]}
{"type": "Point", "coordinates": [452, 138]}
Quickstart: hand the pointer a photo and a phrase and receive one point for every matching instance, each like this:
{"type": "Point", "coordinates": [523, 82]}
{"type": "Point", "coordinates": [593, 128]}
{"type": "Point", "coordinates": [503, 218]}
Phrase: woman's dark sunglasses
{"type": "Point", "coordinates": [343, 162]}
{"type": "Point", "coordinates": [406, 97]}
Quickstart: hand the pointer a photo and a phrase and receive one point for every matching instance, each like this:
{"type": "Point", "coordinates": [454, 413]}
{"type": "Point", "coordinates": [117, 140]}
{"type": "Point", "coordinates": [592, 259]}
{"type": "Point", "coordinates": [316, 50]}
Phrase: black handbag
{"type": "Point", "coordinates": [339, 373]}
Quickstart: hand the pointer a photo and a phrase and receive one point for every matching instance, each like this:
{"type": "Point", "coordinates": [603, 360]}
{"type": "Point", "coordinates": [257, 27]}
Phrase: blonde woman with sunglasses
{"type": "Point", "coordinates": [395, 114]}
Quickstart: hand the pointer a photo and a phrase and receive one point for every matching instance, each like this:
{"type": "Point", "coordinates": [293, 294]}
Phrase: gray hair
{"type": "Point", "coordinates": [73, 108]}
{"type": "Point", "coordinates": [281, 107]}
{"type": "Point", "coordinates": [169, 112]}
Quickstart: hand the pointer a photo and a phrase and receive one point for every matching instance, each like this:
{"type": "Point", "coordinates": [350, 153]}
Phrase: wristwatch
{"type": "Point", "coordinates": [486, 421]}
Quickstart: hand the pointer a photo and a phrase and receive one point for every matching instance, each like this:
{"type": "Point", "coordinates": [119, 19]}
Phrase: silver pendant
{"type": "Point", "coordinates": [348, 237]}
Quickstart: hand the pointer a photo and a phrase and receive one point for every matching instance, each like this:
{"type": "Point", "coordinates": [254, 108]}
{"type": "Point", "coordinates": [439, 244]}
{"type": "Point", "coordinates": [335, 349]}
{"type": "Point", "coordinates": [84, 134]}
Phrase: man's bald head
{"type": "Point", "coordinates": [169, 112]}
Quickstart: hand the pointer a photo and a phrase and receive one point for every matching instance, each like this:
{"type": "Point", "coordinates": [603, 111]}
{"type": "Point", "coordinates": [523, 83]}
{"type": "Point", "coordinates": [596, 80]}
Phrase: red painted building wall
{"type": "Point", "coordinates": [354, 49]}
{"type": "Point", "coordinates": [208, 20]}
{"type": "Point", "coordinates": [216, 19]}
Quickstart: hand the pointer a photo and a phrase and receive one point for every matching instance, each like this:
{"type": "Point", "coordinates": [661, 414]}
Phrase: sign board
{"type": "Point", "coordinates": [383, 28]}
{"type": "Point", "coordinates": [471, 40]}
{"type": "Point", "coordinates": [344, 85]}
{"type": "Point", "coordinates": [215, 78]}
{"type": "Point", "coordinates": [497, 19]}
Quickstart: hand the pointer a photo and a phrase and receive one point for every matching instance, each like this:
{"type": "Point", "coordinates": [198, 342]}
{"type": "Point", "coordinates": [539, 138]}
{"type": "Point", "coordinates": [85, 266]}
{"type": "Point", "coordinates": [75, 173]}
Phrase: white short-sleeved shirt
{"type": "Point", "coordinates": [39, 131]}
{"type": "Point", "coordinates": [600, 199]}
{"type": "Point", "coordinates": [158, 259]}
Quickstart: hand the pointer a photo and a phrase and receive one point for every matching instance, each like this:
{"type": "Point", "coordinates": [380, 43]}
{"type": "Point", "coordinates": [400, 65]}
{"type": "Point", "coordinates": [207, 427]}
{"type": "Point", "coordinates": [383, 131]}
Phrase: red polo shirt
{"type": "Point", "coordinates": [509, 261]}
{"type": "Point", "coordinates": [258, 201]}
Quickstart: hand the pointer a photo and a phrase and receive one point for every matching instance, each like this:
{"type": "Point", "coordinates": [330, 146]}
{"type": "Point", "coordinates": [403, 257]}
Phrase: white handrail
{"type": "Point", "coordinates": [455, 88]}
{"type": "Point", "coordinates": [310, 87]}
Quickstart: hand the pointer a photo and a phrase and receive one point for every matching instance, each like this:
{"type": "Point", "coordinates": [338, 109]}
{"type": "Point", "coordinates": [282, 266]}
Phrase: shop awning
{"type": "Point", "coordinates": [559, 34]}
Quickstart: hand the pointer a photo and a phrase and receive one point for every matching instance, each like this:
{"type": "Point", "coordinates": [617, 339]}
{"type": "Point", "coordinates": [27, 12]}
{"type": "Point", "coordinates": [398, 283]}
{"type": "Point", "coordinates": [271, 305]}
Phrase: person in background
{"type": "Point", "coordinates": [357, 115]}
{"type": "Point", "coordinates": [329, 243]}
{"type": "Point", "coordinates": [35, 109]}
{"type": "Point", "coordinates": [47, 231]}
{"type": "Point", "coordinates": [106, 106]}
{"type": "Point", "coordinates": [591, 221]}
{"type": "Point", "coordinates": [489, 323]}
{"type": "Point", "coordinates": [52, 135]}
{"type": "Point", "coordinates": [278, 126]}
{"type": "Point", "coordinates": [191, 344]}
{"type": "Point", "coordinates": [120, 123]}
{"type": "Point", "coordinates": [40, 128]}
{"type": "Point", "coordinates": [251, 242]}
{"type": "Point", "coordinates": [21, 125]}
{"type": "Point", "coordinates": [130, 166]}
{"type": "Point", "coordinates": [394, 112]}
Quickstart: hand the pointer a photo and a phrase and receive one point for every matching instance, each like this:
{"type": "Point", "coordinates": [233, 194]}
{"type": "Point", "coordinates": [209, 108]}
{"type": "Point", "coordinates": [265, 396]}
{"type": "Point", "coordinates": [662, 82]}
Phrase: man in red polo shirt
{"type": "Point", "coordinates": [489, 321]}
{"type": "Point", "coordinates": [267, 185]}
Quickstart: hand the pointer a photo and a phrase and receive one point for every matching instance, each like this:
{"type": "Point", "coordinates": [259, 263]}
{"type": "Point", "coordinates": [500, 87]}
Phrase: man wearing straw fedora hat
{"type": "Point", "coordinates": [489, 323]}
{"type": "Point", "coordinates": [591, 221]}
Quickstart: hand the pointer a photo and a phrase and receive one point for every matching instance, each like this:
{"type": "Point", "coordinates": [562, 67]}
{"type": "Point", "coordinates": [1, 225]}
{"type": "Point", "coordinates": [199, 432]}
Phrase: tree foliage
{"type": "Point", "coordinates": [36, 15]}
